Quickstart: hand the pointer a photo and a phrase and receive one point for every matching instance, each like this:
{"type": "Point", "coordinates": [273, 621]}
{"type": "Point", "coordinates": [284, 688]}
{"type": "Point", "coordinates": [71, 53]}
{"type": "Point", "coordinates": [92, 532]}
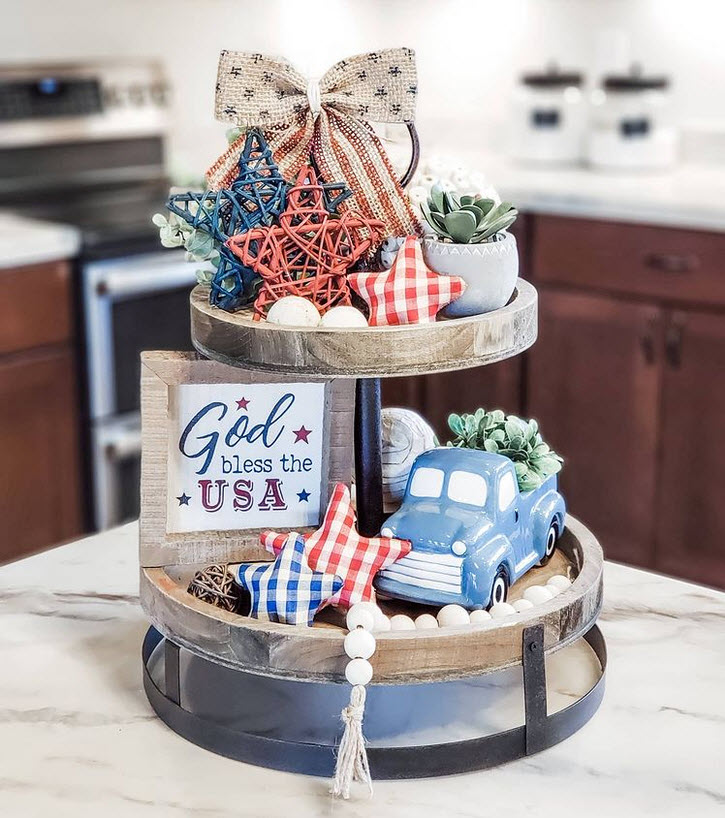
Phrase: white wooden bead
{"type": "Point", "coordinates": [522, 605]}
{"type": "Point", "coordinates": [560, 581]}
{"type": "Point", "coordinates": [359, 671]}
{"type": "Point", "coordinates": [426, 622]}
{"type": "Point", "coordinates": [401, 622]}
{"type": "Point", "coordinates": [501, 609]}
{"type": "Point", "coordinates": [343, 317]}
{"type": "Point", "coordinates": [537, 594]}
{"type": "Point", "coordinates": [553, 590]}
{"type": "Point", "coordinates": [294, 311]}
{"type": "Point", "coordinates": [361, 615]}
{"type": "Point", "coordinates": [382, 624]}
{"type": "Point", "coordinates": [359, 644]}
{"type": "Point", "coordinates": [478, 617]}
{"type": "Point", "coordinates": [452, 615]}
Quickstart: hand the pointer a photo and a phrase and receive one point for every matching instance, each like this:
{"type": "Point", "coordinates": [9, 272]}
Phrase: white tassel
{"type": "Point", "coordinates": [352, 758]}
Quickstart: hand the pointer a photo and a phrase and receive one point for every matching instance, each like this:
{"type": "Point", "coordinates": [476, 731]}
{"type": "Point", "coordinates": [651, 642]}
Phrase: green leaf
{"type": "Point", "coordinates": [461, 225]}
{"type": "Point", "coordinates": [159, 220]}
{"type": "Point", "coordinates": [490, 446]}
{"type": "Point", "coordinates": [455, 424]}
{"type": "Point", "coordinates": [467, 200]}
{"type": "Point", "coordinates": [436, 198]}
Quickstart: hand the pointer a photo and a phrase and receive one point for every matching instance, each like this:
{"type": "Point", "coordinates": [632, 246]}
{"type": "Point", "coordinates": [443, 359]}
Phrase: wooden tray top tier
{"type": "Point", "coordinates": [401, 657]}
{"type": "Point", "coordinates": [366, 352]}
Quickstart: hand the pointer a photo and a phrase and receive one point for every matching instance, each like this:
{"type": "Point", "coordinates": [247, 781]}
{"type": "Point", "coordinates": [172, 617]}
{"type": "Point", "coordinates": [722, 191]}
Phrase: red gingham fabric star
{"type": "Point", "coordinates": [337, 548]}
{"type": "Point", "coordinates": [407, 293]}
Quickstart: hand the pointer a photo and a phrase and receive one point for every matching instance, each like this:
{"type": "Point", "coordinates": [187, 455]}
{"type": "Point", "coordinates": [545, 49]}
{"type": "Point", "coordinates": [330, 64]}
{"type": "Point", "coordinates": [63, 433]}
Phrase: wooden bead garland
{"type": "Point", "coordinates": [309, 252]}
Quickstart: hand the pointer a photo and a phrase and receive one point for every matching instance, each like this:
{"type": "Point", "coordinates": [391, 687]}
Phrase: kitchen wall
{"type": "Point", "coordinates": [469, 51]}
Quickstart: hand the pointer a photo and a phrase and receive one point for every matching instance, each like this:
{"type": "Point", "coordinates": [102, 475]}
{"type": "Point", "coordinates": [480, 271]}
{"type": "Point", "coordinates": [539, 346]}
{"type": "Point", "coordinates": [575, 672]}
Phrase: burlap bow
{"type": "Point", "coordinates": [326, 120]}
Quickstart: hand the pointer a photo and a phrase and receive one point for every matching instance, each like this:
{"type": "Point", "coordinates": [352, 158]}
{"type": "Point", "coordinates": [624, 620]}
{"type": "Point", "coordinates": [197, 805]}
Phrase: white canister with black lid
{"type": "Point", "coordinates": [631, 126]}
{"type": "Point", "coordinates": [549, 117]}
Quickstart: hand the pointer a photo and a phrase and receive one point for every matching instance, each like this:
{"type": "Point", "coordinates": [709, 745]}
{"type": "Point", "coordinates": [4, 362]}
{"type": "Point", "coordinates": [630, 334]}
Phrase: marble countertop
{"type": "Point", "coordinates": [688, 196]}
{"type": "Point", "coordinates": [27, 241]}
{"type": "Point", "coordinates": [79, 737]}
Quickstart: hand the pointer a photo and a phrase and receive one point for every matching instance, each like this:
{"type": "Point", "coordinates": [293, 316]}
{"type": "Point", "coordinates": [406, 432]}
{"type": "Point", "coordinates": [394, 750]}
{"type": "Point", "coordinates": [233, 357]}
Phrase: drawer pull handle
{"type": "Point", "coordinates": [671, 262]}
{"type": "Point", "coordinates": [673, 344]}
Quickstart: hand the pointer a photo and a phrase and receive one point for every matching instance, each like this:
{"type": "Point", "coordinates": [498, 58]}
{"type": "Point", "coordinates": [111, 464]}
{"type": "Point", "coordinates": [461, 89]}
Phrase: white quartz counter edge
{"type": "Point", "coordinates": [27, 241]}
{"type": "Point", "coordinates": [689, 196]}
{"type": "Point", "coordinates": [80, 738]}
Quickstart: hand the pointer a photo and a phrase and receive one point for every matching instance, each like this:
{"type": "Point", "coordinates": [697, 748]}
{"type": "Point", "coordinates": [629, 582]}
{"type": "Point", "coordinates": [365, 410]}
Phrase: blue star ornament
{"type": "Point", "coordinates": [286, 590]}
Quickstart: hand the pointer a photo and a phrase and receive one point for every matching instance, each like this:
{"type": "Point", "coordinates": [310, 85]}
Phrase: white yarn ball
{"type": "Point", "coordinates": [559, 581]}
{"type": "Point", "coordinates": [361, 615]}
{"type": "Point", "coordinates": [405, 435]}
{"type": "Point", "coordinates": [479, 617]}
{"type": "Point", "coordinates": [343, 317]}
{"type": "Point", "coordinates": [359, 672]}
{"type": "Point", "coordinates": [537, 594]}
{"type": "Point", "coordinates": [401, 622]}
{"type": "Point", "coordinates": [452, 615]}
{"type": "Point", "coordinates": [426, 622]}
{"type": "Point", "coordinates": [501, 609]}
{"type": "Point", "coordinates": [359, 644]}
{"type": "Point", "coordinates": [294, 311]}
{"type": "Point", "coordinates": [522, 605]}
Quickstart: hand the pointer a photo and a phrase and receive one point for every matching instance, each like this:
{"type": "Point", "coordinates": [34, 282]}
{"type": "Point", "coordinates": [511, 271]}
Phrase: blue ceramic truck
{"type": "Point", "coordinates": [473, 532]}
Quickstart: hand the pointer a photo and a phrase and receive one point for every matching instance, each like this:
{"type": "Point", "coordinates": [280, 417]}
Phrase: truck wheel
{"type": "Point", "coordinates": [551, 538]}
{"type": "Point", "coordinates": [499, 586]}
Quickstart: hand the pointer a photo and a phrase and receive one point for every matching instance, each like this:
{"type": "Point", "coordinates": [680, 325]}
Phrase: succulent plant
{"type": "Point", "coordinates": [199, 245]}
{"type": "Point", "coordinates": [466, 219]}
{"type": "Point", "coordinates": [511, 436]}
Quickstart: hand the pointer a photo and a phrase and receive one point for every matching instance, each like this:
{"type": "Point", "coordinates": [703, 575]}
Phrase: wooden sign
{"type": "Point", "coordinates": [228, 452]}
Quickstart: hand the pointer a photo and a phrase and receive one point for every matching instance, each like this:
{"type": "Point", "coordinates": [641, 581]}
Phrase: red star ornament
{"type": "Point", "coordinates": [309, 252]}
{"type": "Point", "coordinates": [337, 548]}
{"type": "Point", "coordinates": [407, 293]}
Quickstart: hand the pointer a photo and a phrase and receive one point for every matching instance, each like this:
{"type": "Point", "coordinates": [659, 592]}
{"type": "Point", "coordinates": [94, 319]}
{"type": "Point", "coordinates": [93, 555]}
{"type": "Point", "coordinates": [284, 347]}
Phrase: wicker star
{"type": "Point", "coordinates": [407, 293]}
{"type": "Point", "coordinates": [286, 590]}
{"type": "Point", "coordinates": [309, 252]}
{"type": "Point", "coordinates": [337, 548]}
{"type": "Point", "coordinates": [256, 196]}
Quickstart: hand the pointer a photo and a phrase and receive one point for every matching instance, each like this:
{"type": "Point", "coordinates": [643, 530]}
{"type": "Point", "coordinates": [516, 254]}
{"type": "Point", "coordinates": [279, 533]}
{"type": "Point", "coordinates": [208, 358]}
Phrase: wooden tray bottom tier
{"type": "Point", "coordinates": [401, 657]}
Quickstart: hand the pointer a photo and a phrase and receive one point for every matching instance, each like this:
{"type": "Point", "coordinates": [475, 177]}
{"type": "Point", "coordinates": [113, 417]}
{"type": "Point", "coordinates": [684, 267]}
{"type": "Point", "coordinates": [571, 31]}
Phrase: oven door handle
{"type": "Point", "coordinates": [129, 284]}
{"type": "Point", "coordinates": [123, 444]}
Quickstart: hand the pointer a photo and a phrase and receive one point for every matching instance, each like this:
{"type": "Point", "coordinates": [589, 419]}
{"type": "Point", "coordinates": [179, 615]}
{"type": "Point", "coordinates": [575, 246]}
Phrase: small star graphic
{"type": "Point", "coordinates": [304, 496]}
{"type": "Point", "coordinates": [183, 499]}
{"type": "Point", "coordinates": [242, 403]}
{"type": "Point", "coordinates": [302, 434]}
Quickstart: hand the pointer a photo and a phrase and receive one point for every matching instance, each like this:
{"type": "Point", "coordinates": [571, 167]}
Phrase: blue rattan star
{"type": "Point", "coordinates": [257, 196]}
{"type": "Point", "coordinates": [286, 590]}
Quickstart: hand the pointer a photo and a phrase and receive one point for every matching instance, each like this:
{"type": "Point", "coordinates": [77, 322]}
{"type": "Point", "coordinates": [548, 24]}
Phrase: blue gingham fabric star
{"type": "Point", "coordinates": [286, 590]}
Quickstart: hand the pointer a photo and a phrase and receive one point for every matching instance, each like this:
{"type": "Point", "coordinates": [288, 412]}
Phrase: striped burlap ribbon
{"type": "Point", "coordinates": [326, 120]}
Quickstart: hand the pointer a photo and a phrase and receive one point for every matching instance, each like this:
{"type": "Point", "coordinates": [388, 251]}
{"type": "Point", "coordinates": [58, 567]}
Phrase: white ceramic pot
{"type": "Point", "coordinates": [490, 270]}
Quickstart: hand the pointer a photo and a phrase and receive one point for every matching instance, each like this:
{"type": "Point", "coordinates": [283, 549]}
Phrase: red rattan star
{"type": "Point", "coordinates": [310, 251]}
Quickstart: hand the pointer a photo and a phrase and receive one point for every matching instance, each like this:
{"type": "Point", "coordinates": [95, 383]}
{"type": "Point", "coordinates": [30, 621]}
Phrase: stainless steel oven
{"type": "Point", "coordinates": [84, 144]}
{"type": "Point", "coordinates": [130, 303]}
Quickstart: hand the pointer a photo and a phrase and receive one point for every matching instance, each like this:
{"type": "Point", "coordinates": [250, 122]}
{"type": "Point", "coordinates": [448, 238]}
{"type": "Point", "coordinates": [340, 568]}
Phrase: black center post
{"type": "Point", "coordinates": [368, 456]}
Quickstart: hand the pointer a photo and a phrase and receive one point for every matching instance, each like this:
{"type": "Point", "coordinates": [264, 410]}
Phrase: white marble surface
{"type": "Point", "coordinates": [27, 241]}
{"type": "Point", "coordinates": [689, 196]}
{"type": "Point", "coordinates": [79, 739]}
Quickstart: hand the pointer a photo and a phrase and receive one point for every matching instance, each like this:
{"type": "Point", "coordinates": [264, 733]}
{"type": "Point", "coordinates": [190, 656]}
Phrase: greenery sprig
{"type": "Point", "coordinates": [511, 436]}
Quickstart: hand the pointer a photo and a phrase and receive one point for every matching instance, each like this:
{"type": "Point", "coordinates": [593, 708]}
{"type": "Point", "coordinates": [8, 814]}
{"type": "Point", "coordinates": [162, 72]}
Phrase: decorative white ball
{"type": "Point", "coordinates": [426, 622]}
{"type": "Point", "coordinates": [522, 605]}
{"type": "Point", "coordinates": [294, 311]}
{"type": "Point", "coordinates": [452, 615]}
{"type": "Point", "coordinates": [382, 623]}
{"type": "Point", "coordinates": [359, 644]}
{"type": "Point", "coordinates": [343, 317]}
{"type": "Point", "coordinates": [479, 617]}
{"type": "Point", "coordinates": [553, 590]}
{"type": "Point", "coordinates": [361, 615]}
{"type": "Point", "coordinates": [401, 622]}
{"type": "Point", "coordinates": [559, 581]}
{"type": "Point", "coordinates": [537, 594]}
{"type": "Point", "coordinates": [501, 609]}
{"type": "Point", "coordinates": [359, 672]}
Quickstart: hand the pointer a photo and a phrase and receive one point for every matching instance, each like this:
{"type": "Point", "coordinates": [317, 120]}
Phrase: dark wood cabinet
{"type": "Point", "coordinates": [40, 472]}
{"type": "Point", "coordinates": [690, 534]}
{"type": "Point", "coordinates": [594, 386]}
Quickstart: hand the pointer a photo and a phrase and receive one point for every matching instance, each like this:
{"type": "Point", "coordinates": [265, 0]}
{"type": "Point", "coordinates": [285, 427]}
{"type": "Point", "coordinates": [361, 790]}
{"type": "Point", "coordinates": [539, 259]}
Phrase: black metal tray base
{"type": "Point", "coordinates": [240, 738]}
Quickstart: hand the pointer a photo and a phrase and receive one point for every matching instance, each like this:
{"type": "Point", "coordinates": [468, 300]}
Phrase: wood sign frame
{"type": "Point", "coordinates": [161, 373]}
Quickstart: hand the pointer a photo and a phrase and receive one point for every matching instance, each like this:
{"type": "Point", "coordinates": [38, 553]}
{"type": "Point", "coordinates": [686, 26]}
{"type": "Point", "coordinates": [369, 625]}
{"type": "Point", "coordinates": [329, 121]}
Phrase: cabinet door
{"type": "Point", "coordinates": [594, 383]}
{"type": "Point", "coordinates": [40, 501]}
{"type": "Point", "coordinates": [691, 512]}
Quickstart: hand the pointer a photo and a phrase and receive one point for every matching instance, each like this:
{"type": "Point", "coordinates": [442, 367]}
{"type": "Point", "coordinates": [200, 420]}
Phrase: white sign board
{"type": "Point", "coordinates": [244, 456]}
